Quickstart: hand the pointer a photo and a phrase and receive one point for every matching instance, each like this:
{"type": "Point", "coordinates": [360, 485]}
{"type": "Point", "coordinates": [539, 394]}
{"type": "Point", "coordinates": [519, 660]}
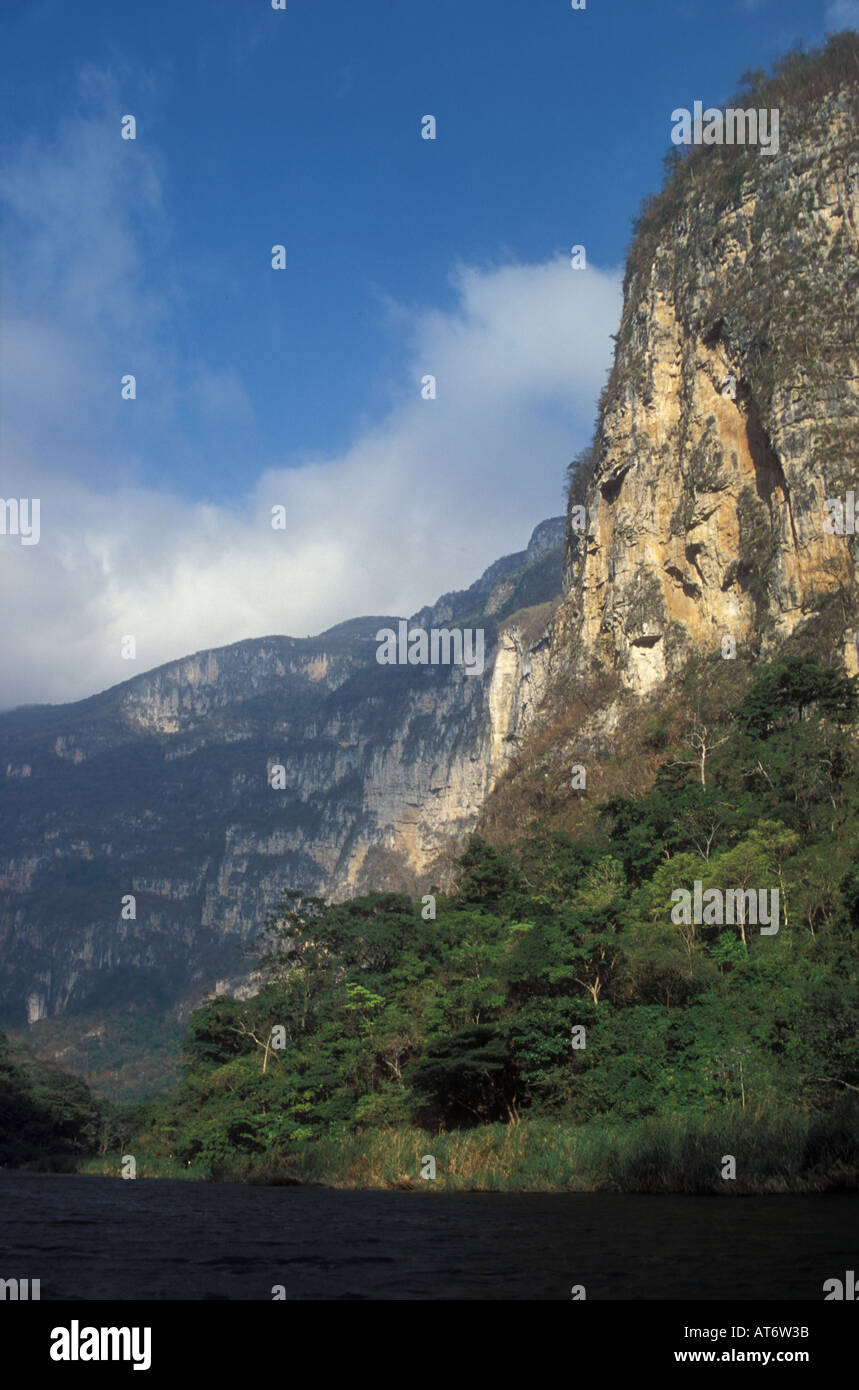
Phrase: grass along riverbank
{"type": "Point", "coordinates": [772, 1153]}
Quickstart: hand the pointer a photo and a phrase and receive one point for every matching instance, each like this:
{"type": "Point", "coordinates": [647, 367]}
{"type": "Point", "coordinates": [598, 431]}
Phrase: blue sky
{"type": "Point", "coordinates": [302, 387]}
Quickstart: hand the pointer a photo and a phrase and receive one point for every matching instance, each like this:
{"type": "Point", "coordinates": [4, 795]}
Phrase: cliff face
{"type": "Point", "coordinates": [731, 416]}
{"type": "Point", "coordinates": [161, 789]}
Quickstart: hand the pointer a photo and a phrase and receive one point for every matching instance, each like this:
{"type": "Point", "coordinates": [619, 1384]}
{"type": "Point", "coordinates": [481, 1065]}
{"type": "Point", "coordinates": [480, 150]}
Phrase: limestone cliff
{"type": "Point", "coordinates": [732, 411]}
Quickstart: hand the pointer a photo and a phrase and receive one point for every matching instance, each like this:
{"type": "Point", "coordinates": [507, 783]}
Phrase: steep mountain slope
{"type": "Point", "coordinates": [733, 410]}
{"type": "Point", "coordinates": [160, 789]}
{"type": "Point", "coordinates": [727, 443]}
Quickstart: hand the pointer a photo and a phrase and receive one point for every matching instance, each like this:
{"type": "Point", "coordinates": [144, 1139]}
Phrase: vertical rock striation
{"type": "Point", "coordinates": [731, 414]}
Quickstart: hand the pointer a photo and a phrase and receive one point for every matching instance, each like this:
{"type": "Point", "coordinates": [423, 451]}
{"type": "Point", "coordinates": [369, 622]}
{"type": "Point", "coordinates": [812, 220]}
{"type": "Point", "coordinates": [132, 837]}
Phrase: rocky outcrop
{"type": "Point", "coordinates": [731, 416]}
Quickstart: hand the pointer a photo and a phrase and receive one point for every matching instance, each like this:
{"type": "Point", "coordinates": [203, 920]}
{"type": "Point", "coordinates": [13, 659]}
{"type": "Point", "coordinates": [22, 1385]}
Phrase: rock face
{"type": "Point", "coordinates": [732, 413]}
{"type": "Point", "coordinates": [160, 790]}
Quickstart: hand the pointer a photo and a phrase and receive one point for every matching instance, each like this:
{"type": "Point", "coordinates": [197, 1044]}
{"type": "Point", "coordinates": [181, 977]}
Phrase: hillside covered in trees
{"type": "Point", "coordinates": [47, 1115]}
{"type": "Point", "coordinates": [558, 997]}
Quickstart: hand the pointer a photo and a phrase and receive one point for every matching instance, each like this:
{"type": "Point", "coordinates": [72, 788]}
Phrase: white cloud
{"type": "Point", "coordinates": [419, 503]}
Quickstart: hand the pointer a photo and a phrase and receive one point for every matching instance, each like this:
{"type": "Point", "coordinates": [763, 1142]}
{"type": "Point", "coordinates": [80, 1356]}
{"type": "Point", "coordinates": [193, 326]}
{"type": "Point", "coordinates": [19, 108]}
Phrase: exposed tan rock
{"type": "Point", "coordinates": [706, 515]}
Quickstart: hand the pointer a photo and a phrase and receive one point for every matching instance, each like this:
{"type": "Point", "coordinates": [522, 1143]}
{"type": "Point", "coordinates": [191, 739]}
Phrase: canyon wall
{"type": "Point", "coordinates": [730, 419]}
{"type": "Point", "coordinates": [161, 790]}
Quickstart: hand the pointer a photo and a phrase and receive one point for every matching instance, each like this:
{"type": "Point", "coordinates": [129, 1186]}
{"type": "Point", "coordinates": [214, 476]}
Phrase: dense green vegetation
{"type": "Point", "coordinates": [123, 1053]}
{"type": "Point", "coordinates": [50, 1120]}
{"type": "Point", "coordinates": [548, 1024]}
{"type": "Point", "coordinates": [46, 1114]}
{"type": "Point", "coordinates": [551, 1024]}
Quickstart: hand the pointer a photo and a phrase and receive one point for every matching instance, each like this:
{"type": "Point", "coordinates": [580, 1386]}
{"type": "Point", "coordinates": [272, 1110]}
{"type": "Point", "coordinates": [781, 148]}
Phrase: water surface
{"type": "Point", "coordinates": [103, 1238]}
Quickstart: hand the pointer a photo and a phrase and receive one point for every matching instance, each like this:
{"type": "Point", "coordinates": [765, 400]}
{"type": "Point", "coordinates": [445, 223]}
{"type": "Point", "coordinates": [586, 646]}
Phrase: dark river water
{"type": "Point", "coordinates": [102, 1238]}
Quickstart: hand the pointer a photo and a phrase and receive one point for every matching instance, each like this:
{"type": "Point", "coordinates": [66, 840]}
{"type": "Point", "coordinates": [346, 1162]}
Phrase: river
{"type": "Point", "coordinates": [104, 1238]}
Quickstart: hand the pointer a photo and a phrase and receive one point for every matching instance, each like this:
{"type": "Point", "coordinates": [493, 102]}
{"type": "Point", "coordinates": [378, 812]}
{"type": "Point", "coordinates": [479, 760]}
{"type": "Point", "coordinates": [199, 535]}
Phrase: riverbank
{"type": "Point", "coordinates": [729, 1153]}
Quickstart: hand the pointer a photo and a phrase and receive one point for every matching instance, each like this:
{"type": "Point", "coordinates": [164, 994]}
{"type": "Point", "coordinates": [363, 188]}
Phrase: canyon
{"type": "Point", "coordinates": [144, 838]}
{"type": "Point", "coordinates": [697, 528]}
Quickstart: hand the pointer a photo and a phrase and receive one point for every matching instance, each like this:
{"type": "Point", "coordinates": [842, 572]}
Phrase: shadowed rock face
{"type": "Point", "coordinates": [731, 416]}
{"type": "Point", "coordinates": [160, 789]}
